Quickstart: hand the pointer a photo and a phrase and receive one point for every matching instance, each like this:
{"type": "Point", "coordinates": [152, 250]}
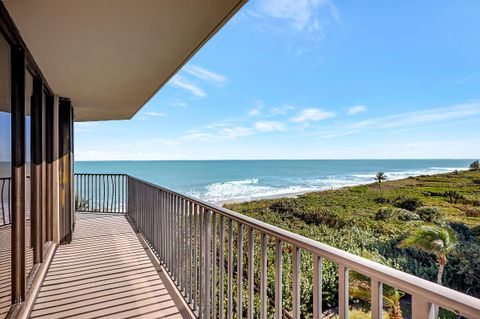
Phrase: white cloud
{"type": "Point", "coordinates": [304, 22]}
{"type": "Point", "coordinates": [465, 79]}
{"type": "Point", "coordinates": [257, 109]}
{"type": "Point", "coordinates": [356, 109]}
{"type": "Point", "coordinates": [254, 112]}
{"type": "Point", "coordinates": [220, 133]}
{"type": "Point", "coordinates": [205, 74]}
{"type": "Point", "coordinates": [180, 82]}
{"type": "Point", "coordinates": [269, 126]}
{"type": "Point", "coordinates": [312, 114]}
{"type": "Point", "coordinates": [155, 114]}
{"type": "Point", "coordinates": [302, 15]}
{"type": "Point", "coordinates": [281, 110]}
{"type": "Point", "coordinates": [410, 119]}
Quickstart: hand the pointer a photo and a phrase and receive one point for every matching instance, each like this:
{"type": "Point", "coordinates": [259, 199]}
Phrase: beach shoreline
{"type": "Point", "coordinates": [297, 194]}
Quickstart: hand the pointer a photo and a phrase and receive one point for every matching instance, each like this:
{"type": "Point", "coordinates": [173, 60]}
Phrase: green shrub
{"type": "Point", "coordinates": [381, 200]}
{"type": "Point", "coordinates": [429, 214]}
{"type": "Point", "coordinates": [409, 203]}
{"type": "Point", "coordinates": [476, 231]}
{"type": "Point", "coordinates": [406, 215]}
{"type": "Point", "coordinates": [476, 181]}
{"type": "Point", "coordinates": [384, 213]}
{"type": "Point", "coordinates": [287, 207]}
{"type": "Point", "coordinates": [453, 196]}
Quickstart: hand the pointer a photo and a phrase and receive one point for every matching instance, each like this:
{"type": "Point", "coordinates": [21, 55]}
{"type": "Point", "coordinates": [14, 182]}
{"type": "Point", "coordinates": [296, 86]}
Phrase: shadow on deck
{"type": "Point", "coordinates": [5, 264]}
{"type": "Point", "coordinates": [106, 272]}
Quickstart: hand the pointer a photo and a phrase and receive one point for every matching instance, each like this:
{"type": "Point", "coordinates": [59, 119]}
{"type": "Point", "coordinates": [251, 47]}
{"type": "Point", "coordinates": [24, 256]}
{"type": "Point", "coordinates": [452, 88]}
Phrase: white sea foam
{"type": "Point", "coordinates": [253, 188]}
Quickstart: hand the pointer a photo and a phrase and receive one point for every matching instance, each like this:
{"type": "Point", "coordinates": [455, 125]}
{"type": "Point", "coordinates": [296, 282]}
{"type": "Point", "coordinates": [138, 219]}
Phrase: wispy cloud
{"type": "Point", "coordinates": [179, 81]}
{"type": "Point", "coordinates": [282, 110]}
{"type": "Point", "coordinates": [155, 114]}
{"type": "Point", "coordinates": [301, 20]}
{"type": "Point", "coordinates": [257, 109]}
{"type": "Point", "coordinates": [404, 120]}
{"type": "Point", "coordinates": [220, 133]}
{"type": "Point", "coordinates": [312, 115]}
{"type": "Point", "coordinates": [269, 126]}
{"type": "Point", "coordinates": [205, 74]}
{"type": "Point", "coordinates": [465, 79]}
{"type": "Point", "coordinates": [356, 109]}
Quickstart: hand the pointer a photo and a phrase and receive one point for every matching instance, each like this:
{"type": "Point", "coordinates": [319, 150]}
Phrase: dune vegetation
{"type": "Point", "coordinates": [380, 221]}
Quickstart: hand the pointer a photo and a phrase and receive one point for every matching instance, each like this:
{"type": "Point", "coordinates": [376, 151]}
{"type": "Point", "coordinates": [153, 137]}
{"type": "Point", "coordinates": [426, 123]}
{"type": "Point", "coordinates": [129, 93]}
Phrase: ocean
{"type": "Point", "coordinates": [220, 181]}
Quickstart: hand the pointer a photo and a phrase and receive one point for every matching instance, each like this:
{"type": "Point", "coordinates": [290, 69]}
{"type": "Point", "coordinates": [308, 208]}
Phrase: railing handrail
{"type": "Point", "coordinates": [442, 296]}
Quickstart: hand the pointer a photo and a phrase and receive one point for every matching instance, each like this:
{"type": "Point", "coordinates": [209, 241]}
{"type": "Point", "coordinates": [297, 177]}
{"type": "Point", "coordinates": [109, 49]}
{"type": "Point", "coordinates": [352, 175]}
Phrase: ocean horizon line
{"type": "Point", "coordinates": [277, 159]}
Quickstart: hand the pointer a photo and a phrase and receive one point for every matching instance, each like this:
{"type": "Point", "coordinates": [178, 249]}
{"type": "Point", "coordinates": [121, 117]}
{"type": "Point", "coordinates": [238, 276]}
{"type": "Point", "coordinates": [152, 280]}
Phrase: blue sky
{"type": "Point", "coordinates": [294, 79]}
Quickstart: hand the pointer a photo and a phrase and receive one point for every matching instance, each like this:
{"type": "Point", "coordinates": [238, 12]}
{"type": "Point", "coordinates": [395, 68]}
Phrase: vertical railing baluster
{"type": "Point", "coordinates": [422, 308]}
{"type": "Point", "coordinates": [180, 246]}
{"type": "Point", "coordinates": [296, 282]}
{"type": "Point", "coordinates": [202, 260]}
{"type": "Point", "coordinates": [376, 299]}
{"type": "Point", "coordinates": [251, 272]}
{"type": "Point", "coordinates": [214, 266]}
{"type": "Point", "coordinates": [177, 241]}
{"type": "Point", "coordinates": [230, 269]}
{"type": "Point", "coordinates": [240, 271]}
{"type": "Point", "coordinates": [221, 287]}
{"type": "Point", "coordinates": [278, 279]}
{"type": "Point", "coordinates": [188, 264]}
{"type": "Point", "coordinates": [317, 286]}
{"type": "Point", "coordinates": [342, 292]}
{"type": "Point", "coordinates": [195, 257]}
{"type": "Point", "coordinates": [208, 244]}
{"type": "Point", "coordinates": [169, 231]}
{"type": "Point", "coordinates": [190, 252]}
{"type": "Point", "coordinates": [263, 276]}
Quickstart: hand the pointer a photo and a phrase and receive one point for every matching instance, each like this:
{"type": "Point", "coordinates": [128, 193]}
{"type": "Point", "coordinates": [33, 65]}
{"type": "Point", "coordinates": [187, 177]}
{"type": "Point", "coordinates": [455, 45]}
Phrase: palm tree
{"type": "Point", "coordinates": [360, 288]}
{"type": "Point", "coordinates": [434, 240]}
{"type": "Point", "coordinates": [379, 178]}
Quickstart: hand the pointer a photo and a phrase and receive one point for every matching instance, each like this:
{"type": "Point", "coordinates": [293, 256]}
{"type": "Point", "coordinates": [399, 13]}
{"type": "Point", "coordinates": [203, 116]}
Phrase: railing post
{"type": "Point", "coordinates": [342, 292]}
{"type": "Point", "coordinates": [317, 286]}
{"type": "Point", "coordinates": [422, 308]}
{"type": "Point", "coordinates": [376, 299]}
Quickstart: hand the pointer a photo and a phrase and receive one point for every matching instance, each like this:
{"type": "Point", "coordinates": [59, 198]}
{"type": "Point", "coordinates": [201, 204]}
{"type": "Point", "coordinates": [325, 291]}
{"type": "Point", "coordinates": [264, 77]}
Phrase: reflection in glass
{"type": "Point", "coordinates": [28, 160]}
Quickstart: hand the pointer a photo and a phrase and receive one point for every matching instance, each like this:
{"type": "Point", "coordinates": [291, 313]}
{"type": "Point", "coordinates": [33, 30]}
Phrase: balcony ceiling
{"type": "Point", "coordinates": [111, 56]}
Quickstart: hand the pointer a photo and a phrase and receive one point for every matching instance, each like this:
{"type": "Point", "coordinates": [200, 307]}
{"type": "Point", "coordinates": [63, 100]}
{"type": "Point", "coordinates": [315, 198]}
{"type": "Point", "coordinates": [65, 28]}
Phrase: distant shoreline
{"type": "Point", "coordinates": [295, 195]}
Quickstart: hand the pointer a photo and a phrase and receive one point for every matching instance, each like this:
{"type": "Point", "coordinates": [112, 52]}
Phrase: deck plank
{"type": "Point", "coordinates": [104, 273]}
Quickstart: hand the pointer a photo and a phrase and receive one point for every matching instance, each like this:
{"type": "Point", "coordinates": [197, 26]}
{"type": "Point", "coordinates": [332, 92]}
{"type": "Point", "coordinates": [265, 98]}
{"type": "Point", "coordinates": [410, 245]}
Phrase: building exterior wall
{"type": "Point", "coordinates": [41, 142]}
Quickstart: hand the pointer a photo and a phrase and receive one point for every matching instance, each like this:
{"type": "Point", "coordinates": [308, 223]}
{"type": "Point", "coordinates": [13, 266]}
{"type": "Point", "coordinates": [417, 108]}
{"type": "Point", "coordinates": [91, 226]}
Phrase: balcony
{"type": "Point", "coordinates": [140, 250]}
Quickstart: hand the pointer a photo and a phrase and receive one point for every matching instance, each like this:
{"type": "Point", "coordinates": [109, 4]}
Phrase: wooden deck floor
{"type": "Point", "coordinates": [105, 273]}
{"type": "Point", "coordinates": [5, 265]}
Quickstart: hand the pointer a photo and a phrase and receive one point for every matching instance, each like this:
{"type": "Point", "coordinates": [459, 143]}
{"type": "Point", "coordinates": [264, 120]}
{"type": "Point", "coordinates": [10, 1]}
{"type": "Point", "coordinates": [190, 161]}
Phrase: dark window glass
{"type": "Point", "coordinates": [28, 160]}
